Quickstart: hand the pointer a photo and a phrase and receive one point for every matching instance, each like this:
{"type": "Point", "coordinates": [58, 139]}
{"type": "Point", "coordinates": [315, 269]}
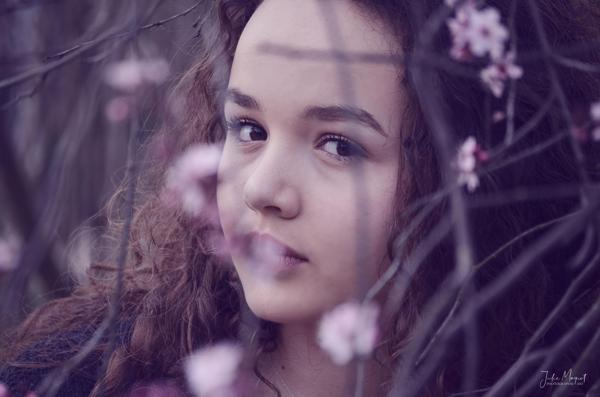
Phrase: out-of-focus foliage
{"type": "Point", "coordinates": [63, 140]}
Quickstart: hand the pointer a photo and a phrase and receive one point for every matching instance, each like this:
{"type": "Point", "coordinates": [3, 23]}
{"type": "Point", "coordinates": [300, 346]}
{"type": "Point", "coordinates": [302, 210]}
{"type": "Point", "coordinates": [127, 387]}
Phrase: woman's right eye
{"type": "Point", "coordinates": [246, 130]}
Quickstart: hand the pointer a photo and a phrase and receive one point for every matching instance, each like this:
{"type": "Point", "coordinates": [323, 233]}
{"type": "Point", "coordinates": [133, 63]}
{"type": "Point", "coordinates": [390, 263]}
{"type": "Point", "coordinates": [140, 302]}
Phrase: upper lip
{"type": "Point", "coordinates": [288, 251]}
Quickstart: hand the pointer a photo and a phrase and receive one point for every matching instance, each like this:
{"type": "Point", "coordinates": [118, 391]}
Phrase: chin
{"type": "Point", "coordinates": [282, 312]}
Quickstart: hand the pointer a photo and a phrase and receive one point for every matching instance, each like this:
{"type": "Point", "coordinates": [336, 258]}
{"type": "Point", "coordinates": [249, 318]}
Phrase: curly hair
{"type": "Point", "coordinates": [180, 296]}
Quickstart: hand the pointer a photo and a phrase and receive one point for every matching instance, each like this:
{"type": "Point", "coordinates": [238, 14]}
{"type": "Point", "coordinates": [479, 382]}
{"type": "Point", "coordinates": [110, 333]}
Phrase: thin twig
{"type": "Point", "coordinates": [562, 99]}
{"type": "Point", "coordinates": [72, 53]}
{"type": "Point", "coordinates": [508, 379]}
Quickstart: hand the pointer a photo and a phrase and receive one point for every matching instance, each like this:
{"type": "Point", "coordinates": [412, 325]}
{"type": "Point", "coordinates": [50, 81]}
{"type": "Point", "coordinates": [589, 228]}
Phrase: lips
{"type": "Point", "coordinates": [279, 247]}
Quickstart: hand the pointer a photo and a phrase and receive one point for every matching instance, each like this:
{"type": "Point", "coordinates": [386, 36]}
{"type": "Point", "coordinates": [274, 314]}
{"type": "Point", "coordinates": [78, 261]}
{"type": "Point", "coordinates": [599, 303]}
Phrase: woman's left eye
{"type": "Point", "coordinates": [341, 148]}
{"type": "Point", "coordinates": [246, 130]}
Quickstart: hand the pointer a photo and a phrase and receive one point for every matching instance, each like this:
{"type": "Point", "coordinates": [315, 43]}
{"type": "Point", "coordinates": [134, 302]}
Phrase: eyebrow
{"type": "Point", "coordinates": [323, 113]}
{"type": "Point", "coordinates": [243, 100]}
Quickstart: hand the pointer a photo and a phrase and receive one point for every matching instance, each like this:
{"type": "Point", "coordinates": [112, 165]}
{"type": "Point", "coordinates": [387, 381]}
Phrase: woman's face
{"type": "Point", "coordinates": [309, 159]}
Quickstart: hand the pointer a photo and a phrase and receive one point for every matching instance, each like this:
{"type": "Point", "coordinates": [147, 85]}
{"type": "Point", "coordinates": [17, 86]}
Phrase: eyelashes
{"type": "Point", "coordinates": [337, 146]}
{"type": "Point", "coordinates": [240, 126]}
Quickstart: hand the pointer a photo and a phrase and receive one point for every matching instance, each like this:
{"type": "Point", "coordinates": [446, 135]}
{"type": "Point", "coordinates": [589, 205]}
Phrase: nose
{"type": "Point", "coordinates": [271, 186]}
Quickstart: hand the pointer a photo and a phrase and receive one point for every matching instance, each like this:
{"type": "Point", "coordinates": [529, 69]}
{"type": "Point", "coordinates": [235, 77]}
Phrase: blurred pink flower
{"type": "Point", "coordinates": [596, 134]}
{"type": "Point", "coordinates": [190, 178]}
{"type": "Point", "coordinates": [155, 70]}
{"type": "Point", "coordinates": [453, 3]}
{"type": "Point", "coordinates": [469, 154]}
{"type": "Point", "coordinates": [595, 111]}
{"type": "Point", "coordinates": [117, 109]}
{"type": "Point", "coordinates": [349, 330]}
{"type": "Point", "coordinates": [10, 247]}
{"type": "Point", "coordinates": [580, 133]}
{"type": "Point", "coordinates": [263, 254]}
{"type": "Point", "coordinates": [477, 31]}
{"type": "Point", "coordinates": [3, 390]}
{"type": "Point", "coordinates": [496, 74]}
{"type": "Point", "coordinates": [129, 74]}
{"type": "Point", "coordinates": [498, 116]}
{"type": "Point", "coordinates": [212, 371]}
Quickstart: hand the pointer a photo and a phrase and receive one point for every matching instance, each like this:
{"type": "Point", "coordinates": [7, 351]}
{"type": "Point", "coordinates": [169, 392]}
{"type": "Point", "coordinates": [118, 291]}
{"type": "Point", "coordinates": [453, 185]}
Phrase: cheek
{"type": "Point", "coordinates": [228, 194]}
{"type": "Point", "coordinates": [351, 230]}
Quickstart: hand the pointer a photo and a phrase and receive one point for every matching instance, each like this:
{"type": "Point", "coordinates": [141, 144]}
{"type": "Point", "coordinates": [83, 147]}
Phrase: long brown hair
{"type": "Point", "coordinates": [179, 296]}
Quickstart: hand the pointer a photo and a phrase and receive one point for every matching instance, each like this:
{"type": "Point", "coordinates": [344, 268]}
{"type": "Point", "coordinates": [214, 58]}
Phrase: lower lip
{"type": "Point", "coordinates": [290, 261]}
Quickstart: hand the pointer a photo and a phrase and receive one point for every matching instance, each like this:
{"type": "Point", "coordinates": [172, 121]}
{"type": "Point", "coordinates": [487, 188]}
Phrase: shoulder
{"type": "Point", "coordinates": [41, 358]}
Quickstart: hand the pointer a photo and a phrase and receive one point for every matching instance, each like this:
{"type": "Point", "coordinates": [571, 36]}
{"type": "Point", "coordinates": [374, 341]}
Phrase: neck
{"type": "Point", "coordinates": [300, 368]}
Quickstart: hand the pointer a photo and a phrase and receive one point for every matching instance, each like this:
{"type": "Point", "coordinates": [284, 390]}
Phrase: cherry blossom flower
{"type": "Point", "coordinates": [349, 330]}
{"type": "Point", "coordinates": [10, 246]}
{"type": "Point", "coordinates": [495, 75]}
{"type": "Point", "coordinates": [579, 133]}
{"type": "Point", "coordinates": [212, 371]}
{"type": "Point", "coordinates": [478, 32]}
{"type": "Point", "coordinates": [191, 177]}
{"type": "Point", "coordinates": [595, 112]}
{"type": "Point", "coordinates": [117, 109]}
{"type": "Point", "coordinates": [469, 154]}
{"type": "Point", "coordinates": [498, 116]}
{"type": "Point", "coordinates": [155, 70]}
{"type": "Point", "coordinates": [595, 116]}
{"type": "Point", "coordinates": [131, 73]}
{"type": "Point", "coordinates": [3, 390]}
{"type": "Point", "coordinates": [453, 3]}
{"type": "Point", "coordinates": [263, 255]}
{"type": "Point", "coordinates": [218, 244]}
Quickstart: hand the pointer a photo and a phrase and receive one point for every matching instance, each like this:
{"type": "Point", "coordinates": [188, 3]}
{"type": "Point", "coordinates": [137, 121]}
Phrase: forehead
{"type": "Point", "coordinates": [285, 58]}
{"type": "Point", "coordinates": [310, 24]}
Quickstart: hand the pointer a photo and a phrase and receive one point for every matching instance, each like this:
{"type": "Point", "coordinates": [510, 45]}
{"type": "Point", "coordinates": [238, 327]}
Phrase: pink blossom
{"type": "Point", "coordinates": [263, 255]}
{"type": "Point", "coordinates": [469, 154]}
{"type": "Point", "coordinates": [190, 177]}
{"type": "Point", "coordinates": [498, 116]}
{"type": "Point", "coordinates": [3, 390]}
{"type": "Point", "coordinates": [129, 74]}
{"type": "Point", "coordinates": [477, 31]}
{"type": "Point", "coordinates": [453, 3]}
{"type": "Point", "coordinates": [596, 134]}
{"type": "Point", "coordinates": [117, 109]}
{"type": "Point", "coordinates": [218, 245]}
{"type": "Point", "coordinates": [348, 330]}
{"type": "Point", "coordinates": [155, 70]}
{"type": "Point", "coordinates": [10, 247]}
{"type": "Point", "coordinates": [495, 75]}
{"type": "Point", "coordinates": [580, 133]}
{"type": "Point", "coordinates": [125, 75]}
{"type": "Point", "coordinates": [595, 111]}
{"type": "Point", "coordinates": [212, 371]}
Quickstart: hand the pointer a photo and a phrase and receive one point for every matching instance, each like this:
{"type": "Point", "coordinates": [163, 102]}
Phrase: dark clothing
{"type": "Point", "coordinates": [49, 353]}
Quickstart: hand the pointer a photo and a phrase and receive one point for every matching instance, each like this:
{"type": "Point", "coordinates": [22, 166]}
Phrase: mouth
{"type": "Point", "coordinates": [275, 248]}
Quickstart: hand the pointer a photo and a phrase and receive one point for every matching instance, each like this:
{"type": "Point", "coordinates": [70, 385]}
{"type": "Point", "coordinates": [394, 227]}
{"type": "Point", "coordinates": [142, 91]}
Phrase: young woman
{"type": "Point", "coordinates": [338, 123]}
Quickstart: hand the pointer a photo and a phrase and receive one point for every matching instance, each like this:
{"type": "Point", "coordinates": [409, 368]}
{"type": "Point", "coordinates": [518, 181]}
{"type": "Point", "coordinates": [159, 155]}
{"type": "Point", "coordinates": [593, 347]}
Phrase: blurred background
{"type": "Point", "coordinates": [72, 72]}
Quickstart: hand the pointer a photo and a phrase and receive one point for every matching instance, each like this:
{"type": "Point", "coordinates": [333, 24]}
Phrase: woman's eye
{"type": "Point", "coordinates": [246, 130]}
{"type": "Point", "coordinates": [341, 148]}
